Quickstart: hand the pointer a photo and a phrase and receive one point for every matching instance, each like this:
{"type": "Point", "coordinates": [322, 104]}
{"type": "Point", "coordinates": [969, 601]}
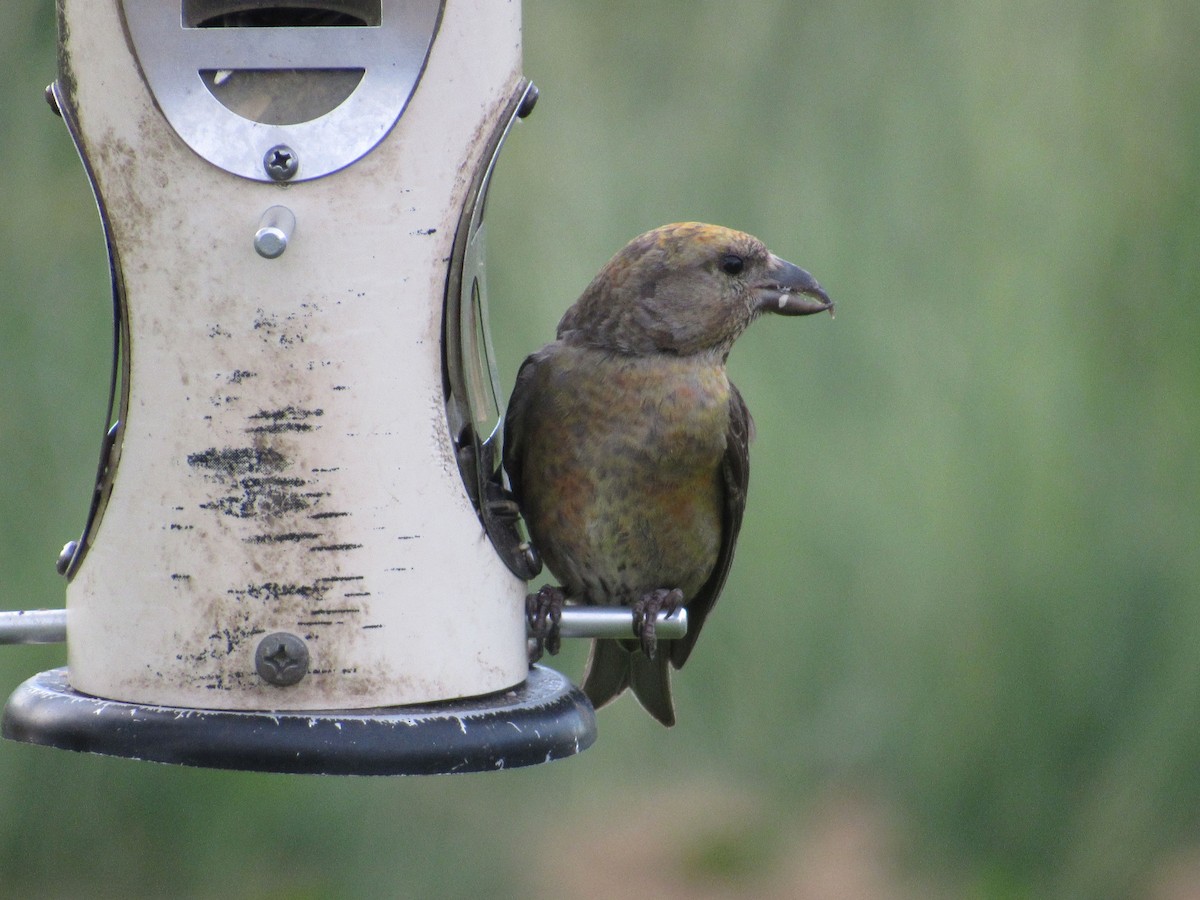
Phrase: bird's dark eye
{"type": "Point", "coordinates": [732, 264]}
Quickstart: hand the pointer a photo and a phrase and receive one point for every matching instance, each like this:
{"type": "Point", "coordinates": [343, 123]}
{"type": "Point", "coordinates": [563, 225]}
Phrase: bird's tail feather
{"type": "Point", "coordinates": [614, 666]}
{"type": "Point", "coordinates": [651, 683]}
{"type": "Point", "coordinates": [607, 673]}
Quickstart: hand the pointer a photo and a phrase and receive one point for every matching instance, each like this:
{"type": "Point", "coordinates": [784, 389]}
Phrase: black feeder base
{"type": "Point", "coordinates": [542, 719]}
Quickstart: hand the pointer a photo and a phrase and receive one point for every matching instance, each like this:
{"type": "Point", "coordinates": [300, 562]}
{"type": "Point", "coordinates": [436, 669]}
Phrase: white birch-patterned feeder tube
{"type": "Point", "coordinates": [283, 475]}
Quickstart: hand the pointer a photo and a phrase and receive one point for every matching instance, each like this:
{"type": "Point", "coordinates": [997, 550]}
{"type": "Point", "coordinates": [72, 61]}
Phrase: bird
{"type": "Point", "coordinates": [626, 446]}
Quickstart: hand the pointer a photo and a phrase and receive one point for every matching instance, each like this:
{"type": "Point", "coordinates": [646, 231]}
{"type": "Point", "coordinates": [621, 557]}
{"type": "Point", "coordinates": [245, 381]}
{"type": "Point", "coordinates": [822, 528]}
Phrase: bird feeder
{"type": "Point", "coordinates": [293, 559]}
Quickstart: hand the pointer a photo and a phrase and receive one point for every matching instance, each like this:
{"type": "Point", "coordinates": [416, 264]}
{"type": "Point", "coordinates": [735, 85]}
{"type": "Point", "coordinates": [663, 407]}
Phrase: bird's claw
{"type": "Point", "coordinates": [645, 616]}
{"type": "Point", "coordinates": [543, 611]}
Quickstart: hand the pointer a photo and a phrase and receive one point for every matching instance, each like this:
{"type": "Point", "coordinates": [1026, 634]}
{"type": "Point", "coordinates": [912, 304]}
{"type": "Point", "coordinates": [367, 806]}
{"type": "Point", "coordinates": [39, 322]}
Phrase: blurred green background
{"type": "Point", "coordinates": [959, 652]}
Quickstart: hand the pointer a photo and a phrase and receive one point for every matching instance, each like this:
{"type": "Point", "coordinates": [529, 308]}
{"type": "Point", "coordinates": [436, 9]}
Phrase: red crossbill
{"type": "Point", "coordinates": [626, 445]}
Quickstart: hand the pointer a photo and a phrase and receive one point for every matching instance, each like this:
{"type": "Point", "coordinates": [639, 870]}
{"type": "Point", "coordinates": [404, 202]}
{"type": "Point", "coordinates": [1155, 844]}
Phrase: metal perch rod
{"type": "Point", "coordinates": [49, 626]}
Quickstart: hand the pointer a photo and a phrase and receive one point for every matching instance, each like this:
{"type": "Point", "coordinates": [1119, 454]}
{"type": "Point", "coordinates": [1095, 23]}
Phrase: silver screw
{"type": "Point", "coordinates": [65, 556]}
{"type": "Point", "coordinates": [528, 102]}
{"type": "Point", "coordinates": [52, 99]}
{"type": "Point", "coordinates": [281, 162]}
{"type": "Point", "coordinates": [274, 231]}
{"type": "Point", "coordinates": [281, 659]}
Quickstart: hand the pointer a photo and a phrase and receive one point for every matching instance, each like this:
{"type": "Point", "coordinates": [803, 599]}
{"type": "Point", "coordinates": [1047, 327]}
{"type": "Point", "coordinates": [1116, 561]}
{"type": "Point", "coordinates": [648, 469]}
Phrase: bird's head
{"type": "Point", "coordinates": [687, 288]}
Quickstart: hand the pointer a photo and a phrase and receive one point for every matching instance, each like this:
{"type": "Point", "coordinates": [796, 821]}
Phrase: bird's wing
{"type": "Point", "coordinates": [735, 477]}
{"type": "Point", "coordinates": [514, 423]}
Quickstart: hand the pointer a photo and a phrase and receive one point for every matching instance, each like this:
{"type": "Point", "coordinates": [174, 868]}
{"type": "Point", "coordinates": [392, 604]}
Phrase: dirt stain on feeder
{"type": "Point", "coordinates": [286, 537]}
{"type": "Point", "coordinates": [231, 462]}
{"type": "Point", "coordinates": [279, 421]}
{"type": "Point", "coordinates": [252, 483]}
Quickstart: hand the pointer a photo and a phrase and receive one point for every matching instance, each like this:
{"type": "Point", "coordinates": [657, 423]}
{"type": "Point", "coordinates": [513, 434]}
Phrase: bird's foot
{"type": "Point", "coordinates": [645, 615]}
{"type": "Point", "coordinates": [543, 610]}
